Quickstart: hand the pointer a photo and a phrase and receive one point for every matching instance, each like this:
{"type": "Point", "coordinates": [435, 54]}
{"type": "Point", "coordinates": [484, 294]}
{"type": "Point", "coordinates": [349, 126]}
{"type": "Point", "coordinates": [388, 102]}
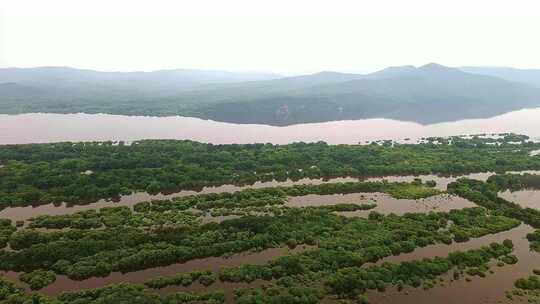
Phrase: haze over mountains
{"type": "Point", "coordinates": [530, 76]}
{"type": "Point", "coordinates": [427, 94]}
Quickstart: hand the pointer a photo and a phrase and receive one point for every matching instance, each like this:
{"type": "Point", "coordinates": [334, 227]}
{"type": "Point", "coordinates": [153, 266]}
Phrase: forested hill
{"type": "Point", "coordinates": [427, 94]}
{"type": "Point", "coordinates": [530, 76]}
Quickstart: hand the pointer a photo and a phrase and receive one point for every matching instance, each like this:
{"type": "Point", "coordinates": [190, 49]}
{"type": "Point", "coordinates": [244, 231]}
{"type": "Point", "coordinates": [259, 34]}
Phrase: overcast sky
{"type": "Point", "coordinates": [292, 36]}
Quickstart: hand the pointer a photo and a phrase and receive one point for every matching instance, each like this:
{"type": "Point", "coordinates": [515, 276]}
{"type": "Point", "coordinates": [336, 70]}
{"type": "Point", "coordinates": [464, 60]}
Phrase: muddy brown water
{"type": "Point", "coordinates": [42, 128]}
{"type": "Point", "coordinates": [480, 290]}
{"type": "Point", "coordinates": [502, 279]}
{"type": "Point", "coordinates": [490, 289]}
{"type": "Point", "coordinates": [525, 198]}
{"type": "Point", "coordinates": [487, 290]}
{"type": "Point", "coordinates": [64, 284]}
{"type": "Point", "coordinates": [24, 213]}
{"type": "Point", "coordinates": [385, 203]}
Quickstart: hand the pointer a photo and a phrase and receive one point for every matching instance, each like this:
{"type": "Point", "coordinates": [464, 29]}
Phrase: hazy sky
{"type": "Point", "coordinates": [291, 36]}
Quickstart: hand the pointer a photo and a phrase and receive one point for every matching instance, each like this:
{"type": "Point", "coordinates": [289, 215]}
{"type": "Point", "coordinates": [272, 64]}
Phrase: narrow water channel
{"type": "Point", "coordinates": [24, 213]}
{"type": "Point", "coordinates": [64, 284]}
{"type": "Point", "coordinates": [490, 289]}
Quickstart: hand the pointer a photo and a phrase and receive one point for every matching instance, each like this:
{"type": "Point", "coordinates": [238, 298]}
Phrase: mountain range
{"type": "Point", "coordinates": [428, 94]}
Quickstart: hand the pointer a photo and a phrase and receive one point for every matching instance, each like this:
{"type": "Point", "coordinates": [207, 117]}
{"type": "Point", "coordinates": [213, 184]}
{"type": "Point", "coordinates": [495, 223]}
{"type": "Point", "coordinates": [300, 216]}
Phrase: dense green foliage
{"type": "Point", "coordinates": [8, 289]}
{"type": "Point", "coordinates": [294, 285]}
{"type": "Point", "coordinates": [137, 294]}
{"type": "Point", "coordinates": [515, 182]}
{"type": "Point", "coordinates": [530, 283]}
{"type": "Point", "coordinates": [187, 210]}
{"type": "Point", "coordinates": [321, 261]}
{"type": "Point", "coordinates": [6, 229]}
{"type": "Point", "coordinates": [485, 195]}
{"type": "Point", "coordinates": [527, 289]}
{"type": "Point", "coordinates": [279, 294]}
{"type": "Point", "coordinates": [124, 293]}
{"type": "Point", "coordinates": [83, 253]}
{"type": "Point", "coordinates": [38, 279]}
{"type": "Point", "coordinates": [158, 233]}
{"type": "Point", "coordinates": [94, 243]}
{"type": "Point", "coordinates": [185, 279]}
{"type": "Point", "coordinates": [348, 207]}
{"type": "Point", "coordinates": [83, 172]}
{"type": "Point", "coordinates": [352, 281]}
{"type": "Point", "coordinates": [12, 294]}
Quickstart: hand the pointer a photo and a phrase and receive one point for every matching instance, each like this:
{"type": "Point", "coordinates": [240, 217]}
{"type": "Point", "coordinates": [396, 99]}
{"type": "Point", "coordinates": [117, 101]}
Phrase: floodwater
{"type": "Point", "coordinates": [480, 290]}
{"type": "Point", "coordinates": [487, 290]}
{"type": "Point", "coordinates": [490, 289]}
{"type": "Point", "coordinates": [24, 213]}
{"type": "Point", "coordinates": [385, 203]}
{"type": "Point", "coordinates": [64, 284]}
{"type": "Point", "coordinates": [525, 198]}
{"type": "Point", "coordinates": [41, 128]}
{"type": "Point", "coordinates": [443, 181]}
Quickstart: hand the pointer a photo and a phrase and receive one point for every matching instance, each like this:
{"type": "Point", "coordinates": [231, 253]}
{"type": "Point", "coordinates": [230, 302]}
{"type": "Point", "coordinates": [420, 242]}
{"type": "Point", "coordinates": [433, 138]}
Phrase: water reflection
{"type": "Point", "coordinates": [40, 127]}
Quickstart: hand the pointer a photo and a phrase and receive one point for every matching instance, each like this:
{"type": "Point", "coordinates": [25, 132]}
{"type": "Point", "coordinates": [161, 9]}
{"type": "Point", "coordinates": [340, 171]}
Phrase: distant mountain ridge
{"type": "Point", "coordinates": [529, 76]}
{"type": "Point", "coordinates": [427, 94]}
{"type": "Point", "coordinates": [174, 79]}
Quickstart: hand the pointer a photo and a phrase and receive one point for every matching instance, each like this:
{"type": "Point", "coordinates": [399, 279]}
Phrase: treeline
{"type": "Point", "coordinates": [180, 211]}
{"type": "Point", "coordinates": [85, 172]}
{"type": "Point", "coordinates": [515, 182]}
{"type": "Point", "coordinates": [350, 282]}
{"type": "Point", "coordinates": [294, 281]}
{"type": "Point", "coordinates": [119, 293]}
{"type": "Point", "coordinates": [116, 217]}
{"type": "Point", "coordinates": [206, 278]}
{"type": "Point", "coordinates": [38, 279]}
{"type": "Point", "coordinates": [347, 207]}
{"type": "Point", "coordinates": [485, 194]}
{"type": "Point", "coordinates": [6, 230]}
{"type": "Point", "coordinates": [346, 278]}
{"type": "Point", "coordinates": [81, 254]}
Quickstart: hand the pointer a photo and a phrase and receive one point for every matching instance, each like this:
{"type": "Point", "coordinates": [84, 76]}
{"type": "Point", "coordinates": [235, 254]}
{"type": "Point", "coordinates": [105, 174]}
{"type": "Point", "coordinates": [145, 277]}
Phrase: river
{"type": "Point", "coordinates": [42, 128]}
